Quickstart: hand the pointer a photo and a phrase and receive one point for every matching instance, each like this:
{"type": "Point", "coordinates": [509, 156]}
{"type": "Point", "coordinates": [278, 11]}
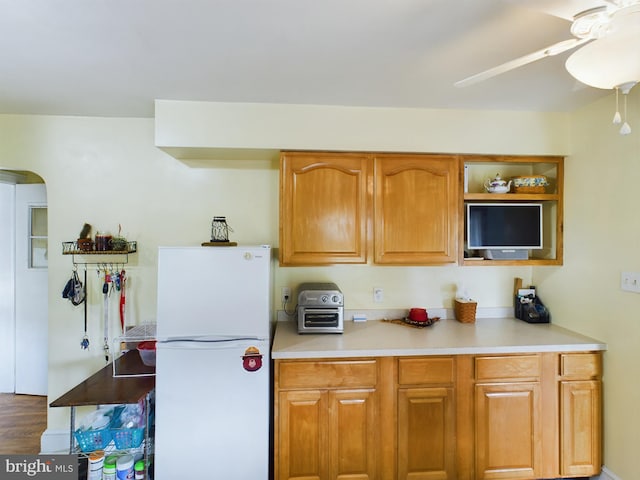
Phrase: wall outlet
{"type": "Point", "coordinates": [378, 295]}
{"type": "Point", "coordinates": [285, 295]}
{"type": "Point", "coordinates": [630, 282]}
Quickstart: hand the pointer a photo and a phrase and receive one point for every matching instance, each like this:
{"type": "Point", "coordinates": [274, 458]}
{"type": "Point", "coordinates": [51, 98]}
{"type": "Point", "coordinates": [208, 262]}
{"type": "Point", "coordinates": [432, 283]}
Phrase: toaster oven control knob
{"type": "Point", "coordinates": [335, 299]}
{"type": "Point", "coordinates": [324, 298]}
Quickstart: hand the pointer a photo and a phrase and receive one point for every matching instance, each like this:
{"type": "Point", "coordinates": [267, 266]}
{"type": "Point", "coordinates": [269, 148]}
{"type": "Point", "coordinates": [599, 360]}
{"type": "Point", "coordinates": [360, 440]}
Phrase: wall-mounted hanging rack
{"type": "Point", "coordinates": [73, 249]}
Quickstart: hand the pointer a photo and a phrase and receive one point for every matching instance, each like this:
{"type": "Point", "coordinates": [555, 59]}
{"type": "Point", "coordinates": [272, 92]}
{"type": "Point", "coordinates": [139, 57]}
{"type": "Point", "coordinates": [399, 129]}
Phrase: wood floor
{"type": "Point", "coordinates": [23, 418]}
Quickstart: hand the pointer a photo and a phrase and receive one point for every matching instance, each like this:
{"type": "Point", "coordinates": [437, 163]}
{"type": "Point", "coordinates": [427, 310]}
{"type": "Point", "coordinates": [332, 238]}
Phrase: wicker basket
{"type": "Point", "coordinates": [524, 189]}
{"type": "Point", "coordinates": [530, 184]}
{"type": "Point", "coordinates": [465, 310]}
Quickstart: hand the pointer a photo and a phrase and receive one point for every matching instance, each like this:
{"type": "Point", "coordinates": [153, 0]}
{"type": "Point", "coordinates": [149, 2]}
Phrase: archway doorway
{"type": "Point", "coordinates": [23, 311]}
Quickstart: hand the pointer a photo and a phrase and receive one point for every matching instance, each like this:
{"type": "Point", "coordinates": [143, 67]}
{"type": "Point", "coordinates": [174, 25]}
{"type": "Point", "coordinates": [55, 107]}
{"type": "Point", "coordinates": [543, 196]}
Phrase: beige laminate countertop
{"type": "Point", "coordinates": [376, 338]}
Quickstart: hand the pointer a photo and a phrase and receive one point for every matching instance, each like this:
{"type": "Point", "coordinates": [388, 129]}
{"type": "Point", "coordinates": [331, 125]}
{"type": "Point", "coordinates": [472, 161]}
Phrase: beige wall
{"type": "Point", "coordinates": [601, 240]}
{"type": "Point", "coordinates": [108, 172]}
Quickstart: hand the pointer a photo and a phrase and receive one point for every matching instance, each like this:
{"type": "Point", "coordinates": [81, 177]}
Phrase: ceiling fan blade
{"type": "Point", "coordinates": [554, 49]}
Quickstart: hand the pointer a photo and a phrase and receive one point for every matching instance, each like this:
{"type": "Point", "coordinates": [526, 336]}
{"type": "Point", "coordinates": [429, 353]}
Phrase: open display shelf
{"type": "Point", "coordinates": [97, 257]}
{"type": "Point", "coordinates": [475, 169]}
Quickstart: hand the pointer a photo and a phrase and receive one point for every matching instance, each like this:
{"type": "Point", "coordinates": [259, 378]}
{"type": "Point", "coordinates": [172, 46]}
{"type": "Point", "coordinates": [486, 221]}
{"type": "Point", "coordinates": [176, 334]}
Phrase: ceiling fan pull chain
{"type": "Point", "coordinates": [626, 128]}
{"type": "Point", "coordinates": [616, 117]}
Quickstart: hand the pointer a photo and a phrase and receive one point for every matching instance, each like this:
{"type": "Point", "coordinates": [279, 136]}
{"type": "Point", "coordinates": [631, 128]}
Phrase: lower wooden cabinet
{"type": "Point", "coordinates": [580, 414]}
{"type": "Point", "coordinates": [303, 435]}
{"type": "Point", "coordinates": [425, 418]}
{"type": "Point", "coordinates": [507, 419]}
{"type": "Point", "coordinates": [328, 432]}
{"type": "Point", "coordinates": [426, 434]}
{"type": "Point", "coordinates": [508, 429]}
{"type": "Point", "coordinates": [352, 434]}
{"type": "Point", "coordinates": [459, 417]}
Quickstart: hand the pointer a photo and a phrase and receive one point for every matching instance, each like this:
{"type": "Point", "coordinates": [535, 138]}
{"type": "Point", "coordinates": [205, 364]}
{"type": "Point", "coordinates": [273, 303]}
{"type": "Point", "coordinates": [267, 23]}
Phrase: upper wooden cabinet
{"type": "Point", "coordinates": [324, 204]}
{"type": "Point", "coordinates": [415, 209]}
{"type": "Point", "coordinates": [337, 207]}
{"type": "Point", "coordinates": [476, 169]}
{"type": "Point", "coordinates": [404, 209]}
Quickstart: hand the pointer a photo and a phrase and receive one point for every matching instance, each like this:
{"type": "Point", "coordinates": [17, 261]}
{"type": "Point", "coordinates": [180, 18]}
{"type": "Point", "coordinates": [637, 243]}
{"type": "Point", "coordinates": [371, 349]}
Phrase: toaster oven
{"type": "Point", "coordinates": [320, 308]}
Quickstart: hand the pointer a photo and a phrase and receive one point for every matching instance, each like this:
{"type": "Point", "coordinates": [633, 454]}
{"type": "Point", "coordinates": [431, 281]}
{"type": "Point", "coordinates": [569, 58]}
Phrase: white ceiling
{"type": "Point", "coordinates": [114, 57]}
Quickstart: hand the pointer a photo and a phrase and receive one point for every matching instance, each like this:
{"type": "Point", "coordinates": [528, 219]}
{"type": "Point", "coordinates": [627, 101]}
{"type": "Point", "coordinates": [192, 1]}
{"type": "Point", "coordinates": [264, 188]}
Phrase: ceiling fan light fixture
{"type": "Point", "coordinates": [611, 62]}
{"type": "Point", "coordinates": [608, 62]}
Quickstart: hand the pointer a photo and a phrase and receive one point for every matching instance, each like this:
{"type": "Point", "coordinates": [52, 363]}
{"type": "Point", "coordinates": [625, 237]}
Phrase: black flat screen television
{"type": "Point", "coordinates": [504, 226]}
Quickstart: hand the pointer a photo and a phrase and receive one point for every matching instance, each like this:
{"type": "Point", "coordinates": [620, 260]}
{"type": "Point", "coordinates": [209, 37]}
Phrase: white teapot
{"type": "Point", "coordinates": [497, 185]}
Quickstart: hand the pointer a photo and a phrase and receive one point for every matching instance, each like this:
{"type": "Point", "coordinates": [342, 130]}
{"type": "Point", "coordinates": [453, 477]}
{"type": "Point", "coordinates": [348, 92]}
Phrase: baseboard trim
{"type": "Point", "coordinates": [54, 441]}
{"type": "Point", "coordinates": [607, 474]}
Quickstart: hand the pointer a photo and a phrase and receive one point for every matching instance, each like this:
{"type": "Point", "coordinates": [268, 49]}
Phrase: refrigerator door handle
{"type": "Point", "coordinates": [208, 343]}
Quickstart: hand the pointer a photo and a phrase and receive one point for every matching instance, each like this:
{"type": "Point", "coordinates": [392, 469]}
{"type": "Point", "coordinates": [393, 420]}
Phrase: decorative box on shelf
{"type": "Point", "coordinates": [530, 184]}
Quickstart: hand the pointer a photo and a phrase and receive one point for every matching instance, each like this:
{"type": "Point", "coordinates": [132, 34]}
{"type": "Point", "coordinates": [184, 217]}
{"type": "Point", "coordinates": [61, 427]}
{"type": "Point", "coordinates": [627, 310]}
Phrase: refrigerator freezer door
{"type": "Point", "coordinates": [212, 411]}
{"type": "Point", "coordinates": [213, 291]}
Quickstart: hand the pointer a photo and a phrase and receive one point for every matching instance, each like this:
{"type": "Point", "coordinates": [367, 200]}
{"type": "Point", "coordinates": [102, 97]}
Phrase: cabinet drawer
{"type": "Point", "coordinates": [421, 371]}
{"type": "Point", "coordinates": [511, 367]}
{"type": "Point", "coordinates": [581, 365]}
{"type": "Point", "coordinates": [328, 374]}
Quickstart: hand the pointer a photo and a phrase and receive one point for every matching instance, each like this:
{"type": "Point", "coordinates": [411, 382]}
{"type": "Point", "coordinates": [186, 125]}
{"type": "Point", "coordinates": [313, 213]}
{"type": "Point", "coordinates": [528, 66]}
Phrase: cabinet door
{"type": "Point", "coordinates": [580, 428]}
{"type": "Point", "coordinates": [507, 426]}
{"type": "Point", "coordinates": [302, 435]}
{"type": "Point", "coordinates": [426, 434]}
{"type": "Point", "coordinates": [327, 435]}
{"type": "Point", "coordinates": [324, 202]}
{"type": "Point", "coordinates": [416, 209]}
{"type": "Point", "coordinates": [352, 435]}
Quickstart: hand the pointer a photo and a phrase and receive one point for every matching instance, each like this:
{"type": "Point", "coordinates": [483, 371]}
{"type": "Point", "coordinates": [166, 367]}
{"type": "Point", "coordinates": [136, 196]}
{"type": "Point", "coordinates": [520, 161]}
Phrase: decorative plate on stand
{"type": "Point", "coordinates": [412, 323]}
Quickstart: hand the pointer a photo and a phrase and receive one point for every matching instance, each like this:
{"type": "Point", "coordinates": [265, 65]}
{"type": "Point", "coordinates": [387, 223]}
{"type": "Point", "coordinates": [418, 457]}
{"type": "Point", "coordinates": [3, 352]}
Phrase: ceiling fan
{"type": "Point", "coordinates": [604, 27]}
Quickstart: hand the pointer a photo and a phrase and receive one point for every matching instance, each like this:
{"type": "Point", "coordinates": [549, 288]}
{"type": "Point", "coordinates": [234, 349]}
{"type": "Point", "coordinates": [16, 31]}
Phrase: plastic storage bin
{"type": "Point", "coordinates": [91, 440]}
{"type": "Point", "coordinates": [125, 438]}
{"type": "Point", "coordinates": [148, 352]}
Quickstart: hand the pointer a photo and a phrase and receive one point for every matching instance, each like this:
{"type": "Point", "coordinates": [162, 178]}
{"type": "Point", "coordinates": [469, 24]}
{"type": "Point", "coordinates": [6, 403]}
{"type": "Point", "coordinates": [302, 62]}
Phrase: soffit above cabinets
{"type": "Point", "coordinates": [200, 132]}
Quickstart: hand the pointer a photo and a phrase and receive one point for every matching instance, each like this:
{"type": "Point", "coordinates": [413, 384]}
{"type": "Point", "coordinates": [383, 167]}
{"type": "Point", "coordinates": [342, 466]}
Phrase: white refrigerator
{"type": "Point", "coordinates": [212, 363]}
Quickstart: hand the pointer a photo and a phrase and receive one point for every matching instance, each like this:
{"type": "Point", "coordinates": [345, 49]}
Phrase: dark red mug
{"type": "Point", "coordinates": [418, 315]}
